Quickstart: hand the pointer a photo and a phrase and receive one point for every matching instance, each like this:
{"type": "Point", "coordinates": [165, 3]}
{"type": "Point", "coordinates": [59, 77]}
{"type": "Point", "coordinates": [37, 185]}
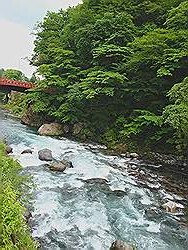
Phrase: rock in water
{"type": "Point", "coordinates": [96, 181]}
{"type": "Point", "coordinates": [134, 155]}
{"type": "Point", "coordinates": [68, 164]}
{"type": "Point", "coordinates": [172, 207]}
{"type": "Point", "coordinates": [8, 150]}
{"type": "Point", "coordinates": [27, 215]}
{"type": "Point", "coordinates": [51, 129]}
{"type": "Point", "coordinates": [120, 245]}
{"type": "Point", "coordinates": [27, 151]}
{"type": "Point", "coordinates": [45, 155]}
{"type": "Point", "coordinates": [60, 166]}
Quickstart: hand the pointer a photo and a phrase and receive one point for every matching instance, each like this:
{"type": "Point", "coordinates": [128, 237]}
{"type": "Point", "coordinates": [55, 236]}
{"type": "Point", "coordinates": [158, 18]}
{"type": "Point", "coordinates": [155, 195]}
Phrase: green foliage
{"type": "Point", "coordinates": [14, 231]}
{"type": "Point", "coordinates": [17, 104]}
{"type": "Point", "coordinates": [14, 74]}
{"type": "Point", "coordinates": [1, 72]}
{"type": "Point", "coordinates": [137, 121]}
{"type": "Point", "coordinates": [106, 59]}
{"type": "Point", "coordinates": [176, 114]}
{"type": "Point", "coordinates": [178, 17]}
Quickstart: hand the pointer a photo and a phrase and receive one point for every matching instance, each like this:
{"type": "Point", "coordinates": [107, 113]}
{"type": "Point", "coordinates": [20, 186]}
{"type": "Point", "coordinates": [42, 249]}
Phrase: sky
{"type": "Point", "coordinates": [17, 20]}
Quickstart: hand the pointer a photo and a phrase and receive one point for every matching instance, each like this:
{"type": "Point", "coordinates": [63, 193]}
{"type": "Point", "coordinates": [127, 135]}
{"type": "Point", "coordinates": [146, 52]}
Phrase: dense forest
{"type": "Point", "coordinates": [118, 67]}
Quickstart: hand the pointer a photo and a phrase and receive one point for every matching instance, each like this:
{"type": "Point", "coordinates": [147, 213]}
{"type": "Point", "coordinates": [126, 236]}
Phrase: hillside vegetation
{"type": "Point", "coordinates": [118, 67]}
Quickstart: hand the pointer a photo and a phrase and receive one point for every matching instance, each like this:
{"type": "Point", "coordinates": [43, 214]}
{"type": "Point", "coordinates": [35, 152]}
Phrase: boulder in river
{"type": "Point", "coordinates": [27, 151]}
{"type": "Point", "coordinates": [120, 245]}
{"type": "Point", "coordinates": [45, 155]}
{"type": "Point", "coordinates": [60, 166]}
{"type": "Point", "coordinates": [27, 215]}
{"type": "Point", "coordinates": [119, 193]}
{"type": "Point", "coordinates": [134, 155]}
{"type": "Point", "coordinates": [51, 129]}
{"type": "Point", "coordinates": [96, 181]}
{"type": "Point", "coordinates": [172, 206]}
{"type": "Point", "coordinates": [8, 150]}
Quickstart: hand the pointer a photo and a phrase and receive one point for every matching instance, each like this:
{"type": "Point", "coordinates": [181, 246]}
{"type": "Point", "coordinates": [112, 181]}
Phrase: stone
{"type": "Point", "coordinates": [96, 181]}
{"type": "Point", "coordinates": [172, 206]}
{"type": "Point", "coordinates": [121, 148]}
{"type": "Point", "coordinates": [27, 151]}
{"type": "Point", "coordinates": [32, 118]}
{"type": "Point", "coordinates": [8, 149]}
{"type": "Point", "coordinates": [66, 129]}
{"type": "Point", "coordinates": [77, 128]}
{"type": "Point", "coordinates": [60, 166]}
{"type": "Point", "coordinates": [45, 155]}
{"type": "Point", "coordinates": [120, 245]}
{"type": "Point", "coordinates": [134, 155]}
{"type": "Point", "coordinates": [175, 163]}
{"type": "Point", "coordinates": [27, 215]}
{"type": "Point", "coordinates": [119, 193]}
{"type": "Point", "coordinates": [51, 129]}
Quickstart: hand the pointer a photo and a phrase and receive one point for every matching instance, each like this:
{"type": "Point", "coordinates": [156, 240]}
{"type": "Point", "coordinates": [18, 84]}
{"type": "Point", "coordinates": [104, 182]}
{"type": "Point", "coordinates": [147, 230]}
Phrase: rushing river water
{"type": "Point", "coordinates": [70, 213]}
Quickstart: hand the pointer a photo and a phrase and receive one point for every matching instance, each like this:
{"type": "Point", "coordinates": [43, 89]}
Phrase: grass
{"type": "Point", "coordinates": [14, 231]}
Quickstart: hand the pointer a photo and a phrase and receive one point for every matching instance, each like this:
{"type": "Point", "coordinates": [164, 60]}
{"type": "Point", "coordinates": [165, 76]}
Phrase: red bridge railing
{"type": "Point", "coordinates": [15, 83]}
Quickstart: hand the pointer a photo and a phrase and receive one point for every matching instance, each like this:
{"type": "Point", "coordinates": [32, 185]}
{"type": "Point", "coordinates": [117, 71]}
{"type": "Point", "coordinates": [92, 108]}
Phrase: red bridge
{"type": "Point", "coordinates": [7, 85]}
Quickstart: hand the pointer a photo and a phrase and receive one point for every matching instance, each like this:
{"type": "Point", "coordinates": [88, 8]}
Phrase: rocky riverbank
{"type": "Point", "coordinates": [153, 160]}
{"type": "Point", "coordinates": [77, 184]}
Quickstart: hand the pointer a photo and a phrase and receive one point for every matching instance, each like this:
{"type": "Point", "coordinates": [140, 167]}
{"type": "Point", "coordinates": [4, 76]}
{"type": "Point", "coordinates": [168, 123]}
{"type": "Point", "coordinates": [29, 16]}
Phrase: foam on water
{"type": "Point", "coordinates": [69, 213]}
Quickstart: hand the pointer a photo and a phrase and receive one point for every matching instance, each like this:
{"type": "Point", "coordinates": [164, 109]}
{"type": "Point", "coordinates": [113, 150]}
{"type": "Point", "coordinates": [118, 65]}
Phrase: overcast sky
{"type": "Point", "coordinates": [17, 19]}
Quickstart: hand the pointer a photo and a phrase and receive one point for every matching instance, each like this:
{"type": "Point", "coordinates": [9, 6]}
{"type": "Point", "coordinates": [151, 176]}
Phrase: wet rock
{"type": "Point", "coordinates": [96, 181]}
{"type": "Point", "coordinates": [119, 193]}
{"type": "Point", "coordinates": [175, 163]}
{"type": "Point", "coordinates": [60, 166]}
{"type": "Point", "coordinates": [172, 207]}
{"type": "Point", "coordinates": [66, 129]}
{"type": "Point", "coordinates": [154, 186]}
{"type": "Point", "coordinates": [32, 118]}
{"type": "Point", "coordinates": [153, 213]}
{"type": "Point", "coordinates": [51, 129]}
{"type": "Point", "coordinates": [68, 164]}
{"type": "Point", "coordinates": [120, 245]}
{"type": "Point", "coordinates": [45, 155]}
{"type": "Point", "coordinates": [27, 215]}
{"type": "Point", "coordinates": [152, 166]}
{"type": "Point", "coordinates": [8, 149]}
{"type": "Point", "coordinates": [121, 148]}
{"type": "Point", "coordinates": [77, 128]}
{"type": "Point", "coordinates": [134, 167]}
{"type": "Point", "coordinates": [134, 155]}
{"type": "Point", "coordinates": [27, 151]}
{"type": "Point", "coordinates": [57, 166]}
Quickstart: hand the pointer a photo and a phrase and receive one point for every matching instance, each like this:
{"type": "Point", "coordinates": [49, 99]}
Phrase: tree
{"type": "Point", "coordinates": [176, 114]}
{"type": "Point", "coordinates": [14, 74]}
{"type": "Point", "coordinates": [110, 64]}
{"type": "Point", "coordinates": [1, 72]}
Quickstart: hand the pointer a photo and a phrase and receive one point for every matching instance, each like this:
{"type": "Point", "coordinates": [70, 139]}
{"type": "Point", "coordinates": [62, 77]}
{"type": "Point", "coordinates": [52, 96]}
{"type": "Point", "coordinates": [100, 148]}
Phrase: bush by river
{"type": "Point", "coordinates": [13, 226]}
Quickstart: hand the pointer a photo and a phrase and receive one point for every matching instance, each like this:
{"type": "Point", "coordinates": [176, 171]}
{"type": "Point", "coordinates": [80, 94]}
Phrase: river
{"type": "Point", "coordinates": [69, 213]}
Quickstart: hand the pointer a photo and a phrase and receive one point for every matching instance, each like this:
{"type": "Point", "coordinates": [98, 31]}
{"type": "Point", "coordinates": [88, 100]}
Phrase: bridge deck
{"type": "Point", "coordinates": [14, 83]}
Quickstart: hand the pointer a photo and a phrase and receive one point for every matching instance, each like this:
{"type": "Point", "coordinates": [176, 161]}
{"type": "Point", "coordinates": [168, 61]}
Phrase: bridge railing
{"type": "Point", "coordinates": [15, 83]}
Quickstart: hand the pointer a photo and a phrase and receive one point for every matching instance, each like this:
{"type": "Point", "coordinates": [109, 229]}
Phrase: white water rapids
{"type": "Point", "coordinates": [68, 213]}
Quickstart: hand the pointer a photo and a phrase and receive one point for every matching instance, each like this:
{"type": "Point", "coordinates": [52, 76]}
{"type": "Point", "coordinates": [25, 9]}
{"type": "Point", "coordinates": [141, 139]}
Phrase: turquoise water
{"type": "Point", "coordinates": [69, 213]}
